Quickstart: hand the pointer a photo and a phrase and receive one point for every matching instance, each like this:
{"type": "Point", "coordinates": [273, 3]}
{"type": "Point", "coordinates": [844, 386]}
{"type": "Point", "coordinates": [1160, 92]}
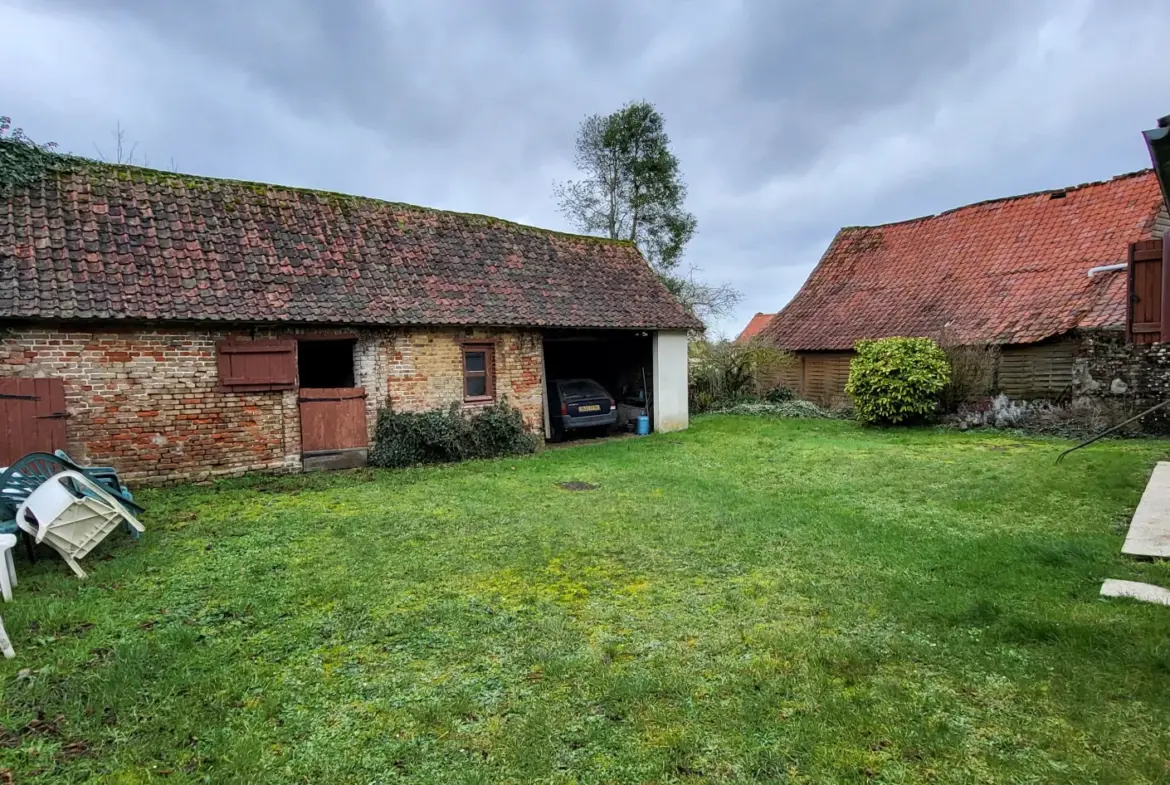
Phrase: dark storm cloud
{"type": "Point", "coordinates": [790, 118]}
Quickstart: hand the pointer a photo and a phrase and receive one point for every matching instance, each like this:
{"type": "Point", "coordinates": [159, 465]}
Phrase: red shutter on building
{"type": "Point", "coordinates": [257, 366]}
{"type": "Point", "coordinates": [1145, 303]}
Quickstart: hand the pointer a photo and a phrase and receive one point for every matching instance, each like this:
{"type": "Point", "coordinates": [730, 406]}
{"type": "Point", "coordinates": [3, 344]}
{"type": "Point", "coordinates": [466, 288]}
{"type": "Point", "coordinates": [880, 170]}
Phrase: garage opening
{"type": "Point", "coordinates": [619, 362]}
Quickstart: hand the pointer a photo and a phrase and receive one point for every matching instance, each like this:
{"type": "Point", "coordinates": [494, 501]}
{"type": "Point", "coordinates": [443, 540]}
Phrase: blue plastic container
{"type": "Point", "coordinates": [643, 425]}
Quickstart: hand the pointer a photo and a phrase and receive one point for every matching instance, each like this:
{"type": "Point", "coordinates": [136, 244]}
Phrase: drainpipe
{"type": "Point", "coordinates": [1107, 268]}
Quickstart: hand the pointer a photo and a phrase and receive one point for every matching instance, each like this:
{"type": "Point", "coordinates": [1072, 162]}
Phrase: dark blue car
{"type": "Point", "coordinates": [574, 404]}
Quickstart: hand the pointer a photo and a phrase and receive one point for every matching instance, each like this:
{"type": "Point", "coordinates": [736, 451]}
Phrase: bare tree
{"type": "Point", "coordinates": [123, 154]}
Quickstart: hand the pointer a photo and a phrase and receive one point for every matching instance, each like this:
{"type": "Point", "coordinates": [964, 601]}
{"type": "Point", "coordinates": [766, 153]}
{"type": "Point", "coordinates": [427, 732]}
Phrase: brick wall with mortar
{"type": "Point", "coordinates": [425, 370]}
{"type": "Point", "coordinates": [146, 400]}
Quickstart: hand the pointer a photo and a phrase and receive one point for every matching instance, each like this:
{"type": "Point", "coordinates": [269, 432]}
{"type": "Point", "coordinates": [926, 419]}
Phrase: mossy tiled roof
{"type": "Point", "coordinates": [101, 242]}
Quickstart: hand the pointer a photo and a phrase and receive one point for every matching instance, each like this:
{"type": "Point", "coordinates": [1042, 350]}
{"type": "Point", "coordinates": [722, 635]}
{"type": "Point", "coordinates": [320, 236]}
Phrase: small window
{"type": "Point", "coordinates": [477, 372]}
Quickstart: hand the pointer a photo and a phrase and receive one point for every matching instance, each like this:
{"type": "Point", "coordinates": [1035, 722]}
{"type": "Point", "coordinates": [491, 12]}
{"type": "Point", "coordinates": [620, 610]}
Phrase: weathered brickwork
{"type": "Point", "coordinates": [147, 400]}
{"type": "Point", "coordinates": [425, 370]}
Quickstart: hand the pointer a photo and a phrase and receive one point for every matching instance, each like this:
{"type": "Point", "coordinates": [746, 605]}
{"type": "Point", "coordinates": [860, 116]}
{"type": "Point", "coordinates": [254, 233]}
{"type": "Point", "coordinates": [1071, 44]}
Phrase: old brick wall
{"type": "Point", "coordinates": [146, 400]}
{"type": "Point", "coordinates": [426, 369]}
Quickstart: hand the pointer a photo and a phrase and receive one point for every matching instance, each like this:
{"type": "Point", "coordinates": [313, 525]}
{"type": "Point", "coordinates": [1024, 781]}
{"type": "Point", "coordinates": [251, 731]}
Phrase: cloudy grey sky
{"type": "Point", "coordinates": [790, 117]}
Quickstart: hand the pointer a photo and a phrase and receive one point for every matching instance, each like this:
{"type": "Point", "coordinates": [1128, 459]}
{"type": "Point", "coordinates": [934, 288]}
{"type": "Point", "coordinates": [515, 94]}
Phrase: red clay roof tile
{"type": "Point", "coordinates": [1010, 270]}
{"type": "Point", "coordinates": [757, 323]}
{"type": "Point", "coordinates": [104, 242]}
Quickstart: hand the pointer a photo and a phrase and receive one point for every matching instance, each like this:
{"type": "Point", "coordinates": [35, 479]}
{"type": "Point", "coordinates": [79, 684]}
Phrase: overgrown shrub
{"type": "Point", "coordinates": [972, 371]}
{"type": "Point", "coordinates": [896, 380]}
{"type": "Point", "coordinates": [725, 373]}
{"type": "Point", "coordinates": [449, 435]}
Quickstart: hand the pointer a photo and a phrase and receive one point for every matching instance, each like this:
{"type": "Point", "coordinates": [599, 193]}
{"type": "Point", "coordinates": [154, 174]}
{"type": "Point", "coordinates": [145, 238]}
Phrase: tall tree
{"type": "Point", "coordinates": [632, 190]}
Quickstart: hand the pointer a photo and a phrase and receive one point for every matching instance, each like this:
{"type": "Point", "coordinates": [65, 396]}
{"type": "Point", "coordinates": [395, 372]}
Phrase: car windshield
{"type": "Point", "coordinates": [582, 387]}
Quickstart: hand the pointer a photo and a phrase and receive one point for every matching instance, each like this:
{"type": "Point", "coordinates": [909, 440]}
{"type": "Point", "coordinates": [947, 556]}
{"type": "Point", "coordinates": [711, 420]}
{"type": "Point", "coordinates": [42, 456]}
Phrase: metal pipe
{"type": "Point", "coordinates": [1105, 433]}
{"type": "Point", "coordinates": [1108, 268]}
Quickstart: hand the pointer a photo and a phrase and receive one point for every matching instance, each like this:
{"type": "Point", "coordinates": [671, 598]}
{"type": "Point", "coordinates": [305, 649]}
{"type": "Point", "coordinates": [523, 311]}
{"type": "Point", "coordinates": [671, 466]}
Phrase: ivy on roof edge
{"type": "Point", "coordinates": [24, 163]}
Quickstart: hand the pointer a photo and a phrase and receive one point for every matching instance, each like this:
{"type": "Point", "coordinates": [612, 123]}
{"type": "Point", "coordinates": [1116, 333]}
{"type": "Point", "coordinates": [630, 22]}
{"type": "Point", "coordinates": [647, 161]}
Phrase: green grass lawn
{"type": "Point", "coordinates": [752, 600]}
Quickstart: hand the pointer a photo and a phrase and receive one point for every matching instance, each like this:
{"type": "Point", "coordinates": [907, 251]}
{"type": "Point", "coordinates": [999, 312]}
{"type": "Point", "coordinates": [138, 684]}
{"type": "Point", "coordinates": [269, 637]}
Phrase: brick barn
{"type": "Point", "coordinates": [1047, 277]}
{"type": "Point", "coordinates": [182, 327]}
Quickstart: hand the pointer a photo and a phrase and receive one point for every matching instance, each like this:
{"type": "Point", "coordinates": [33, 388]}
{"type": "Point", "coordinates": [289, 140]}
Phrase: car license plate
{"type": "Point", "coordinates": [593, 407]}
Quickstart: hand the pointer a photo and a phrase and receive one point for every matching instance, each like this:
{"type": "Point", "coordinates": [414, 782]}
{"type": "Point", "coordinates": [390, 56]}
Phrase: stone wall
{"type": "Point", "coordinates": [1133, 376]}
{"type": "Point", "coordinates": [148, 402]}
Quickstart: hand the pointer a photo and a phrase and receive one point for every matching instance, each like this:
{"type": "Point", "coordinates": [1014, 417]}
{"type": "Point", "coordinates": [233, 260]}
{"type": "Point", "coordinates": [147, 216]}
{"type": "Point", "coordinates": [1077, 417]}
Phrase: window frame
{"type": "Point", "coordinates": [488, 373]}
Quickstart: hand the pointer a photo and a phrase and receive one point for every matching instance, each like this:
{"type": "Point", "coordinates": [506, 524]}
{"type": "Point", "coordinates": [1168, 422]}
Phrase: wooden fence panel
{"type": "Point", "coordinates": [1040, 371]}
{"type": "Point", "coordinates": [824, 378]}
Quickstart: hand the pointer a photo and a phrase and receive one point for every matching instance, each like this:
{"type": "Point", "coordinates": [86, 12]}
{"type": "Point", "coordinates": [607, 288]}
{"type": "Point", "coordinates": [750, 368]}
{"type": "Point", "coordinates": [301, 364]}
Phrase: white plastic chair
{"type": "Point", "coordinates": [7, 568]}
{"type": "Point", "coordinates": [5, 644]}
{"type": "Point", "coordinates": [72, 514]}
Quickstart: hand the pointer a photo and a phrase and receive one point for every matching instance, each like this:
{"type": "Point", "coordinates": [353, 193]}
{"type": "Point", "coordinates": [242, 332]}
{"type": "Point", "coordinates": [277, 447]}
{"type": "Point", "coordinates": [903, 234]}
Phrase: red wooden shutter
{"type": "Point", "coordinates": [257, 366]}
{"type": "Point", "coordinates": [1145, 301]}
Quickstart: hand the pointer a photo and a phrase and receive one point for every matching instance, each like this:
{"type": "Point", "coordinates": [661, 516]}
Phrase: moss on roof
{"type": "Point", "coordinates": [205, 183]}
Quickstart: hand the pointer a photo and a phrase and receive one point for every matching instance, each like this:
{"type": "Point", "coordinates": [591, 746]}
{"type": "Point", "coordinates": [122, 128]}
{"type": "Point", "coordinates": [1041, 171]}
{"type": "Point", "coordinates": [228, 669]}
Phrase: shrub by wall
{"type": "Point", "coordinates": [449, 435]}
{"type": "Point", "coordinates": [897, 380]}
{"type": "Point", "coordinates": [725, 373]}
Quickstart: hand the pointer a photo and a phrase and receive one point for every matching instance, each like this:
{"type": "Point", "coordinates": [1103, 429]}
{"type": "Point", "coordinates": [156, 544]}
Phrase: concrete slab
{"type": "Point", "coordinates": [1145, 592]}
{"type": "Point", "coordinates": [336, 459]}
{"type": "Point", "coordinates": [1149, 531]}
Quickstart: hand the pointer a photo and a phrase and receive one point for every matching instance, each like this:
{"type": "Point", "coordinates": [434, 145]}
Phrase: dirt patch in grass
{"type": "Point", "coordinates": [577, 485]}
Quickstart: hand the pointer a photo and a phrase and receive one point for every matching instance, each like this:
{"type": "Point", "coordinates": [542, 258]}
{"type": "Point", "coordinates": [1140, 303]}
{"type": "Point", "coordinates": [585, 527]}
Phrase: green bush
{"type": "Point", "coordinates": [896, 380]}
{"type": "Point", "coordinates": [780, 395]}
{"type": "Point", "coordinates": [725, 373]}
{"type": "Point", "coordinates": [446, 436]}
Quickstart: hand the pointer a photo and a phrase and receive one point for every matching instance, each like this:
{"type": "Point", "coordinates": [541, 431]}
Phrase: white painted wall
{"type": "Point", "coordinates": [670, 381]}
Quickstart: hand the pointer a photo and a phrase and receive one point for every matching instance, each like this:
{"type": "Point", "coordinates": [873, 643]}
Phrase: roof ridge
{"type": "Point", "coordinates": [184, 178]}
{"type": "Point", "coordinates": [1003, 199]}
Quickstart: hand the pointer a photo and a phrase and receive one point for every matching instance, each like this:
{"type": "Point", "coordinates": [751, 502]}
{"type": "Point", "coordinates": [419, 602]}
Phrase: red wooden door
{"type": "Point", "coordinates": [332, 418]}
{"type": "Point", "coordinates": [32, 417]}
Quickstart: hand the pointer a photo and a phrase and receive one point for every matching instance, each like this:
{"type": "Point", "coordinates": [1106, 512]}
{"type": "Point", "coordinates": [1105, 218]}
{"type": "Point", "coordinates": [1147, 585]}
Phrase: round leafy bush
{"type": "Point", "coordinates": [897, 380]}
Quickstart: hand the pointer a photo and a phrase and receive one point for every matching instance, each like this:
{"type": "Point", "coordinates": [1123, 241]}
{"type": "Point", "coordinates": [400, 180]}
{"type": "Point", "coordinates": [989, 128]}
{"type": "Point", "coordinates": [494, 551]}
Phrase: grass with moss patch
{"type": "Point", "coordinates": [753, 600]}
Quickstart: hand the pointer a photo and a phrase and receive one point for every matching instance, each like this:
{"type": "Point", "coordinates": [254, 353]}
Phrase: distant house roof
{"type": "Point", "coordinates": [100, 242]}
{"type": "Point", "coordinates": [1009, 270]}
{"type": "Point", "coordinates": [757, 323]}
